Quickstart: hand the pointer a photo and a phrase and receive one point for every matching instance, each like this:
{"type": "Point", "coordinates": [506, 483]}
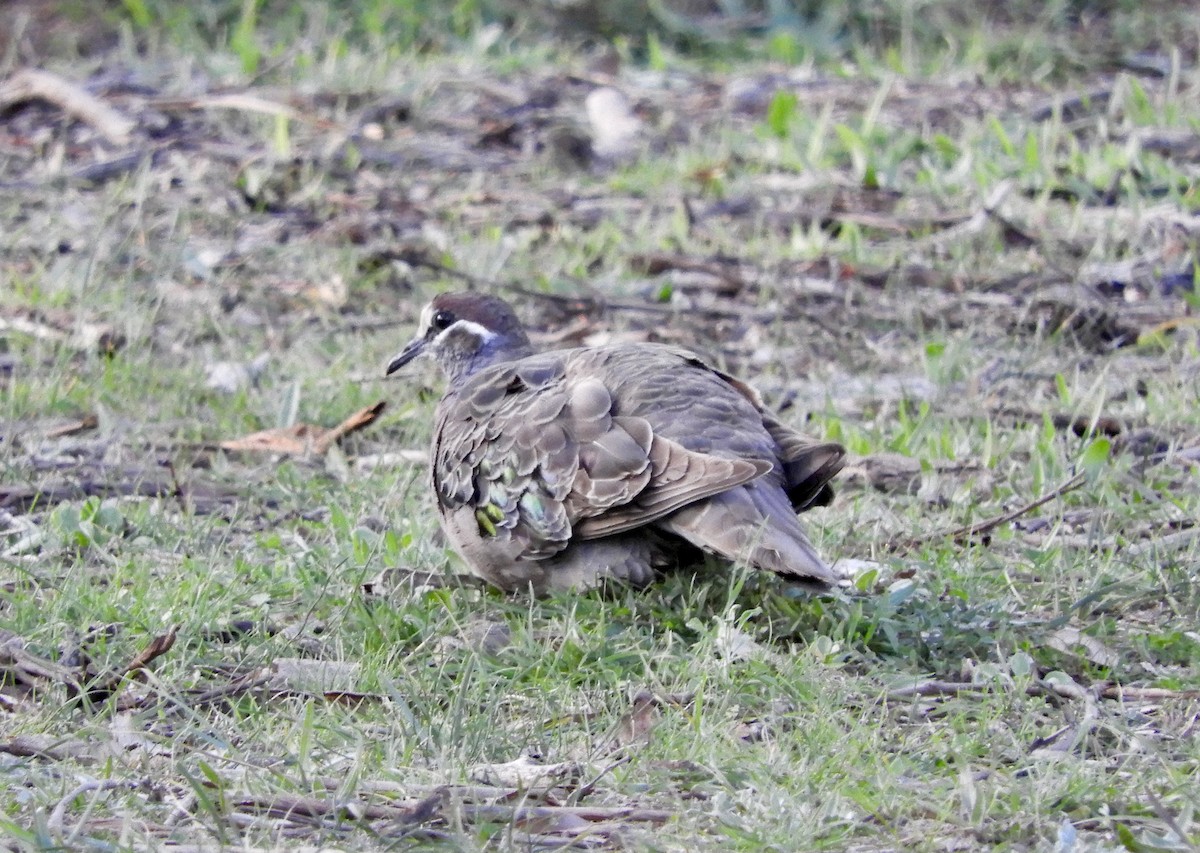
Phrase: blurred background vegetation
{"type": "Point", "coordinates": [1010, 38]}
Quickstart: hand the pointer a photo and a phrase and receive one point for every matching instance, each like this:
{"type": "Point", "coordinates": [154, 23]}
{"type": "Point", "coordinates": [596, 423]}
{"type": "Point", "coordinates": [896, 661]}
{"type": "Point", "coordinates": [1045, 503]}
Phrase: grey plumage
{"type": "Point", "coordinates": [562, 468]}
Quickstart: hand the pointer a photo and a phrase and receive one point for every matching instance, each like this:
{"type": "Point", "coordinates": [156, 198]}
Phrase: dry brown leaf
{"type": "Point", "coordinates": [1071, 641]}
{"type": "Point", "coordinates": [636, 726]}
{"type": "Point", "coordinates": [158, 647]}
{"type": "Point", "coordinates": [557, 823]}
{"type": "Point", "coordinates": [483, 636]}
{"type": "Point", "coordinates": [331, 679]}
{"type": "Point", "coordinates": [87, 422]}
{"type": "Point", "coordinates": [759, 728]}
{"type": "Point", "coordinates": [358, 420]}
{"type": "Point", "coordinates": [302, 439]}
{"type": "Point", "coordinates": [525, 773]}
{"type": "Point", "coordinates": [296, 440]}
{"type": "Point", "coordinates": [102, 689]}
{"type": "Point", "coordinates": [887, 472]}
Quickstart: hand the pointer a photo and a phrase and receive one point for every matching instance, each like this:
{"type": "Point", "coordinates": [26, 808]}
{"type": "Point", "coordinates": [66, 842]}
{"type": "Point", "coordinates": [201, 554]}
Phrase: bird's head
{"type": "Point", "coordinates": [463, 333]}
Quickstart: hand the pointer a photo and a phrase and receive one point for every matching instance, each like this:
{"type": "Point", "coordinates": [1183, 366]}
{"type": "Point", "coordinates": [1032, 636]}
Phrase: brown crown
{"type": "Point", "coordinates": [491, 312]}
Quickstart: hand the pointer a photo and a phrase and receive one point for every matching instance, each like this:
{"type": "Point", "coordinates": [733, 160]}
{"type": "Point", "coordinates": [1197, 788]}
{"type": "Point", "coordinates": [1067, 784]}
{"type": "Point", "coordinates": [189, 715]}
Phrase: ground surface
{"type": "Point", "coordinates": [212, 636]}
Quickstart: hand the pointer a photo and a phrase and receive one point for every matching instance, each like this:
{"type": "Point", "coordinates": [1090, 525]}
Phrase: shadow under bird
{"type": "Point", "coordinates": [561, 469]}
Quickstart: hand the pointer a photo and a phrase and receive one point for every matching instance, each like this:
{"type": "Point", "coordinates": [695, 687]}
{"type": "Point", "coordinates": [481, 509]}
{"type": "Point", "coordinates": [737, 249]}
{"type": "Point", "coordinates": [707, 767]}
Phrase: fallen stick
{"type": "Point", "coordinates": [959, 534]}
{"type": "Point", "coordinates": [1081, 425]}
{"type": "Point", "coordinates": [237, 101]}
{"type": "Point", "coordinates": [291, 807]}
{"type": "Point", "coordinates": [30, 84]}
{"type": "Point", "coordinates": [933, 688]}
{"type": "Point", "coordinates": [1164, 544]}
{"type": "Point", "coordinates": [101, 690]}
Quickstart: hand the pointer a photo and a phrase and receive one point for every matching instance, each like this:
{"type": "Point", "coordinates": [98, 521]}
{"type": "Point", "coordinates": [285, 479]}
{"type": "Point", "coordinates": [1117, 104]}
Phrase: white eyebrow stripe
{"type": "Point", "coordinates": [483, 333]}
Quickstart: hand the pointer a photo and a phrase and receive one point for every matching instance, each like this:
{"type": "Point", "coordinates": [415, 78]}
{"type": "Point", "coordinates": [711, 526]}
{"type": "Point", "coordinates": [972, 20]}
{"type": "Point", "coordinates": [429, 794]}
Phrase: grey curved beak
{"type": "Point", "coordinates": [411, 350]}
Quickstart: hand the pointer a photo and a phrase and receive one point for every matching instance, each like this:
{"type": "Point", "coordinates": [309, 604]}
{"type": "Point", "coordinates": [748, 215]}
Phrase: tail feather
{"type": "Point", "coordinates": [755, 523]}
{"type": "Point", "coordinates": [808, 464]}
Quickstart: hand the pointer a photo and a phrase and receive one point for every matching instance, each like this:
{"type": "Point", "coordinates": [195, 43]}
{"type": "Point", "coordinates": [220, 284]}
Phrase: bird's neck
{"type": "Point", "coordinates": [495, 351]}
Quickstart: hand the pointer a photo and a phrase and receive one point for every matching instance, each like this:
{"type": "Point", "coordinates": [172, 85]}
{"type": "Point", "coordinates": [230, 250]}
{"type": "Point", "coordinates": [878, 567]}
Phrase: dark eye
{"type": "Point", "coordinates": [443, 320]}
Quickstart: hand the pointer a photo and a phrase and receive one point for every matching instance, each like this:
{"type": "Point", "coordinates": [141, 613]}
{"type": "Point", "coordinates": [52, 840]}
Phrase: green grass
{"type": "Point", "coordinates": [875, 301]}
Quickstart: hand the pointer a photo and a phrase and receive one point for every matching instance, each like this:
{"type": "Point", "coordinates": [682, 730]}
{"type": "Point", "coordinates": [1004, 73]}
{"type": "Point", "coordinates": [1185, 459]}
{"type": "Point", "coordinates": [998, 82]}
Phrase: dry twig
{"type": "Point", "coordinates": [1081, 425]}
{"type": "Point", "coordinates": [935, 687]}
{"type": "Point", "coordinates": [30, 84]}
{"type": "Point", "coordinates": [960, 534]}
{"type": "Point", "coordinates": [102, 689]}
